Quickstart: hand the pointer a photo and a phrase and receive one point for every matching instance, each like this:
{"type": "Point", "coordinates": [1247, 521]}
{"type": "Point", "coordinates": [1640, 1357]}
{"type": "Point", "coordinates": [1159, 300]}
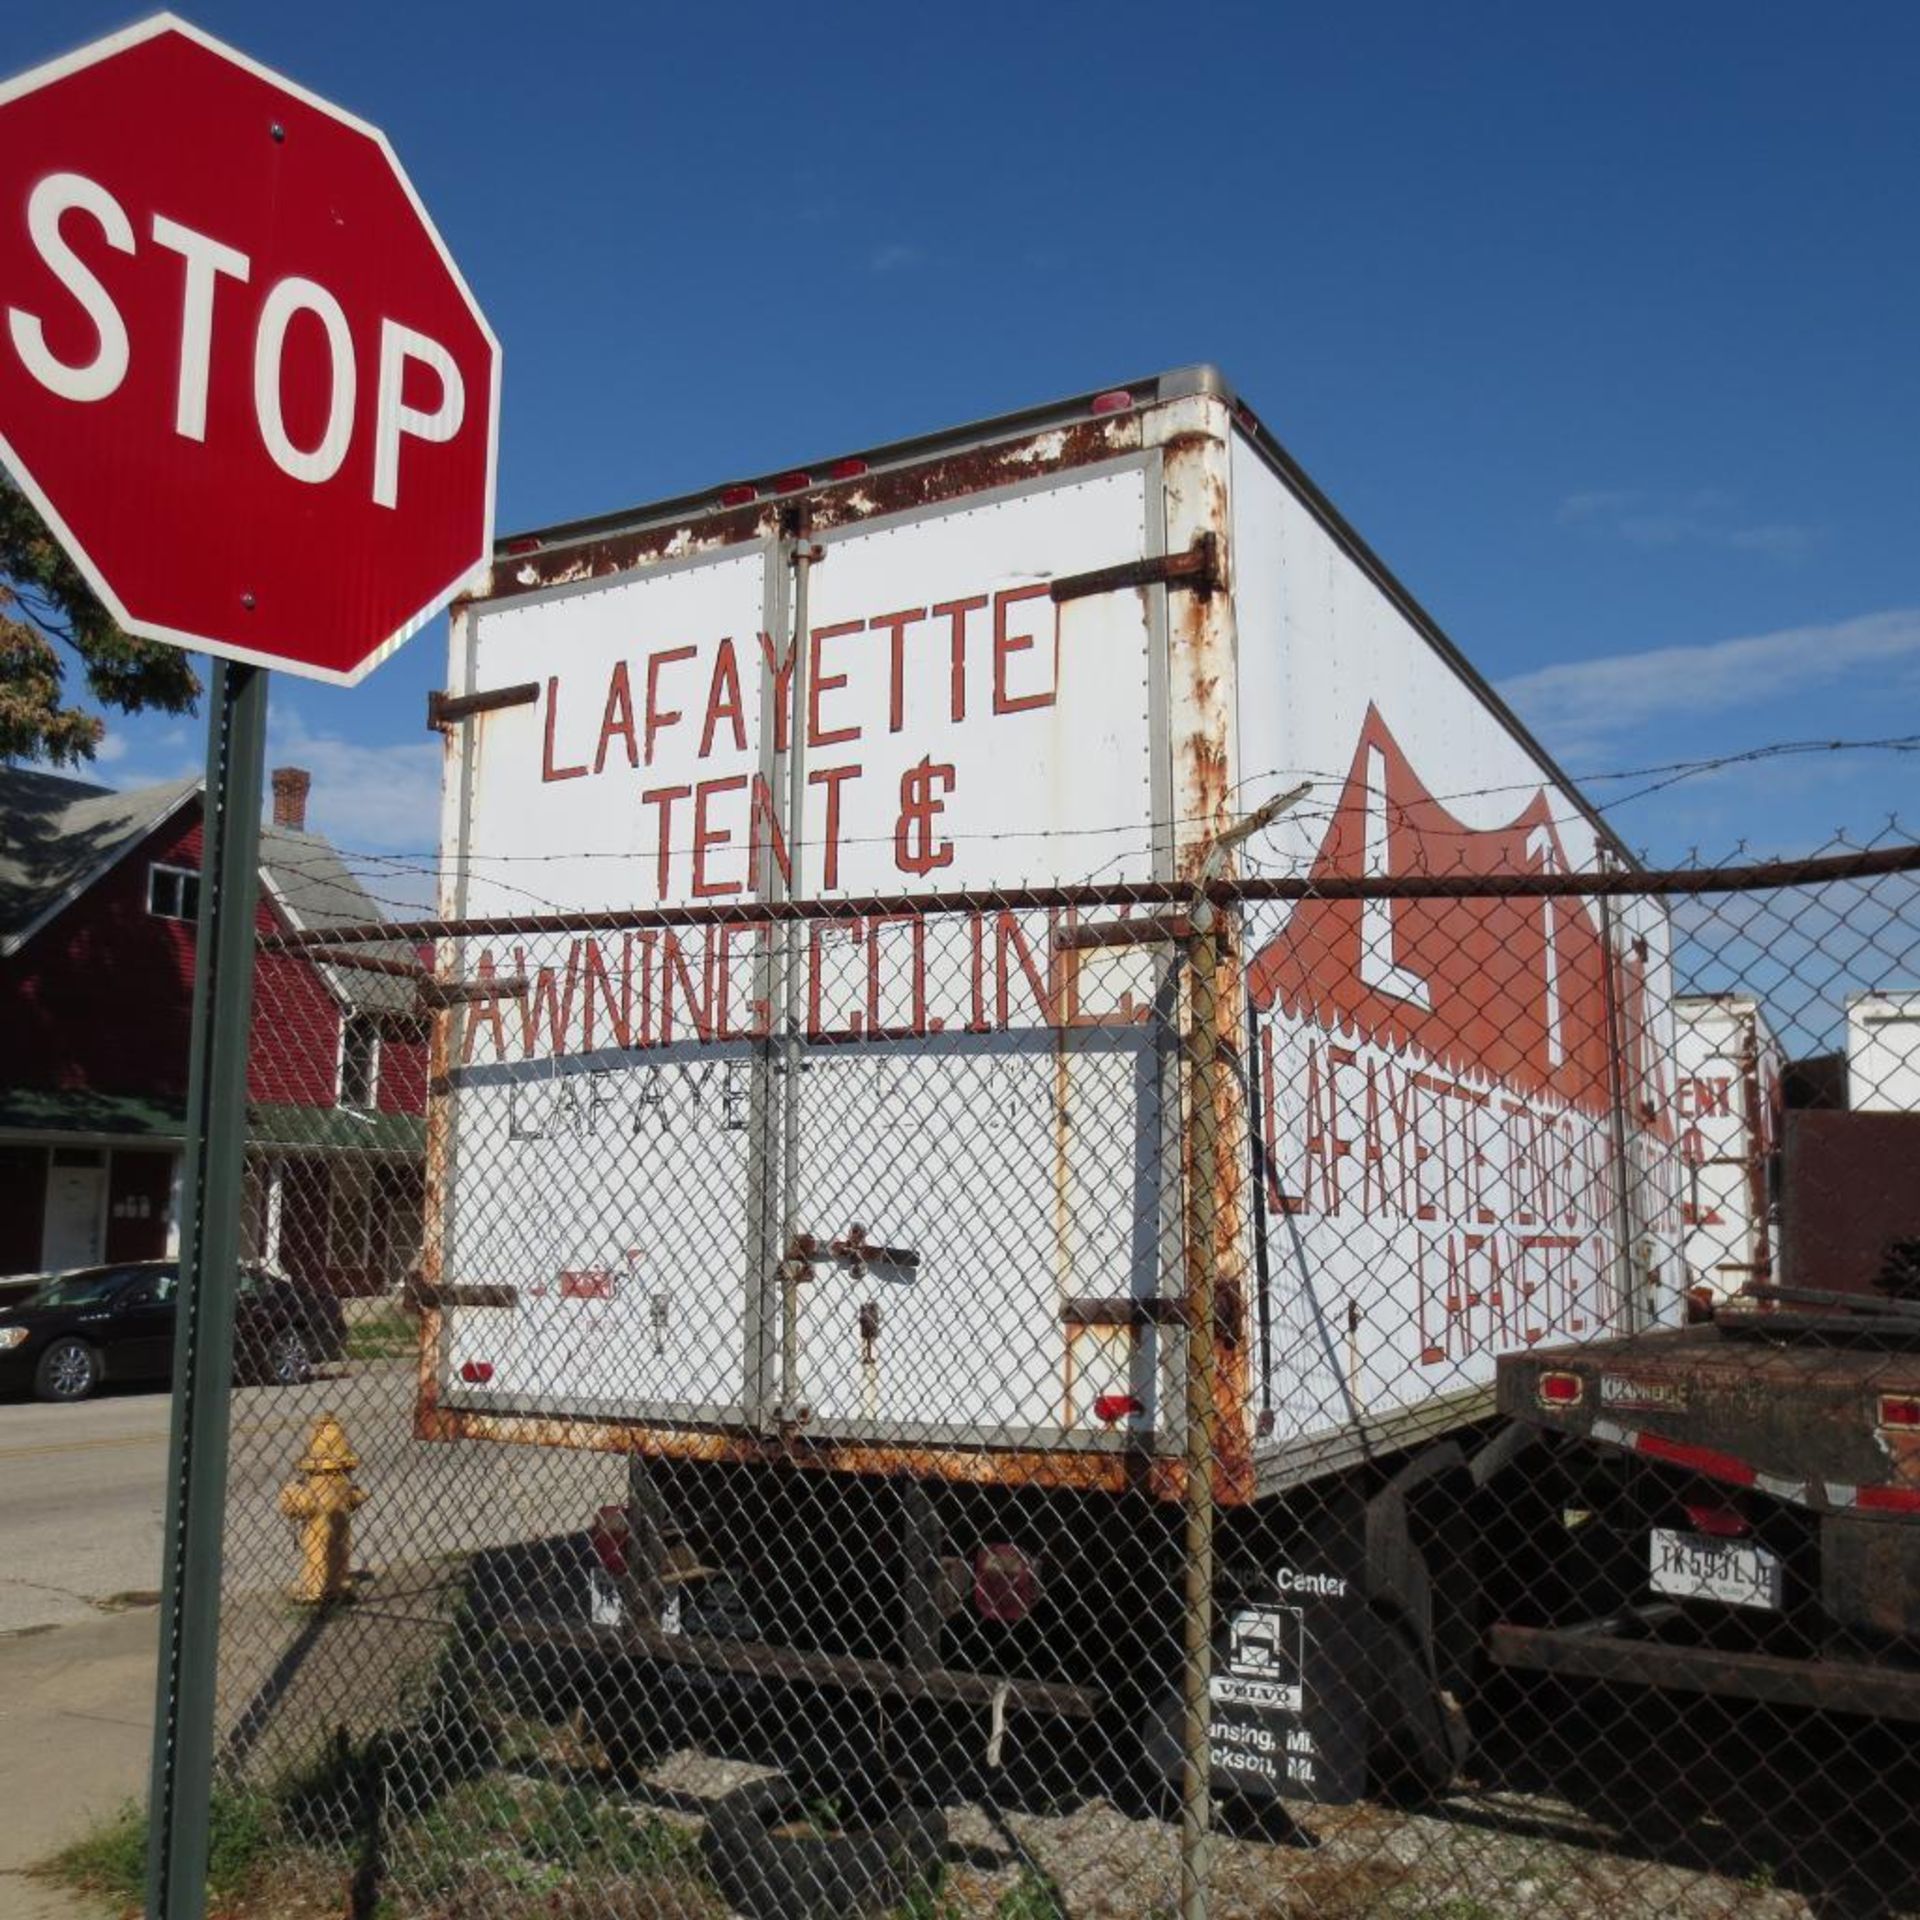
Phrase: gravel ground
{"type": "Point", "coordinates": [1474, 1856]}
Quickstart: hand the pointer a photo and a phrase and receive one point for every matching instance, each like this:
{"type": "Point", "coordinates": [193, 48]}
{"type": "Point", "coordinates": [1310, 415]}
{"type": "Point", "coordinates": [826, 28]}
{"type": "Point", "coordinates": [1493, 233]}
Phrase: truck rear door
{"type": "Point", "coordinates": [593, 1101]}
{"type": "Point", "coordinates": [846, 1171]}
{"type": "Point", "coordinates": [973, 1098]}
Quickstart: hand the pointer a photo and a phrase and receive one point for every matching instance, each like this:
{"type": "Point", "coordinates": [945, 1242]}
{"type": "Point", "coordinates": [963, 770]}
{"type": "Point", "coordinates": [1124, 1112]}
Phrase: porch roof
{"type": "Point", "coordinates": [291, 1129]}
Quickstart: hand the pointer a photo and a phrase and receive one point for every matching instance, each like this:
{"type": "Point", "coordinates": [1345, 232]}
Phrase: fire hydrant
{"type": "Point", "coordinates": [322, 1502]}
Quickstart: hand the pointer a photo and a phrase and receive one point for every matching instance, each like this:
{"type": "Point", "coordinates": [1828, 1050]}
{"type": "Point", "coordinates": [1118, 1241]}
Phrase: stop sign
{"type": "Point", "coordinates": [239, 373]}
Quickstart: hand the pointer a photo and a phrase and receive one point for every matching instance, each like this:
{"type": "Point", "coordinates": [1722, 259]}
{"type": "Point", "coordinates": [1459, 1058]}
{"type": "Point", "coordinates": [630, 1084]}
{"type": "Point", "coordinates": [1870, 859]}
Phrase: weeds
{"type": "Point", "coordinates": [545, 1841]}
{"type": "Point", "coordinates": [386, 1336]}
{"type": "Point", "coordinates": [243, 1833]}
{"type": "Point", "coordinates": [535, 1836]}
{"type": "Point", "coordinates": [111, 1860]}
{"type": "Point", "coordinates": [1031, 1897]}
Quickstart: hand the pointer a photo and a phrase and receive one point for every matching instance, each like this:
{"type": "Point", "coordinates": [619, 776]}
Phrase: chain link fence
{"type": "Point", "coordinates": [1270, 1397]}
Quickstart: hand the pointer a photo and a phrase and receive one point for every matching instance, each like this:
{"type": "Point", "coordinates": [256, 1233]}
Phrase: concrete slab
{"type": "Point", "coordinates": [76, 1726]}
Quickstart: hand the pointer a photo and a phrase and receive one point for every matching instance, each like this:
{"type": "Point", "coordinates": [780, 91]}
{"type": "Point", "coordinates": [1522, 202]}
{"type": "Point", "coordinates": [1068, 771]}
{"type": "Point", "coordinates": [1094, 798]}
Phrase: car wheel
{"type": "Point", "coordinates": [288, 1362]}
{"type": "Point", "coordinates": [68, 1370]}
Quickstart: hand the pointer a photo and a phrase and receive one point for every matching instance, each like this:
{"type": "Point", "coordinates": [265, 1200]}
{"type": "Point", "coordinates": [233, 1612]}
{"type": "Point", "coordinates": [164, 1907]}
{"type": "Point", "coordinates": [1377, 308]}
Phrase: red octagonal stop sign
{"type": "Point", "coordinates": [239, 373]}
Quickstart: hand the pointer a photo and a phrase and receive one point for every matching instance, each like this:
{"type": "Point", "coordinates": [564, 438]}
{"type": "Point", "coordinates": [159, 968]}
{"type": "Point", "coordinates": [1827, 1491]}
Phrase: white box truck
{"type": "Point", "coordinates": [815, 1120]}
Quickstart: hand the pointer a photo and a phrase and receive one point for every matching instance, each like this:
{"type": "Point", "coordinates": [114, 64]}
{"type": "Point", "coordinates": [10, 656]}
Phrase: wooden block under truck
{"type": "Point", "coordinates": [815, 1113]}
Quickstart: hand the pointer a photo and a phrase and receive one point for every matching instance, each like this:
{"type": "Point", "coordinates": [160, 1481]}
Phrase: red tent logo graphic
{"type": "Point", "coordinates": [1513, 992]}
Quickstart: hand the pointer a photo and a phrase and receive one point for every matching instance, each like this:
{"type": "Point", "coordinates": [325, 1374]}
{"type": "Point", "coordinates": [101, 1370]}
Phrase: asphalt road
{"type": "Point", "coordinates": [82, 1492]}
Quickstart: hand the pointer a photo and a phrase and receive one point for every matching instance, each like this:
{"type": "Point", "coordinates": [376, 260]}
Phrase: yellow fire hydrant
{"type": "Point", "coordinates": [322, 1501]}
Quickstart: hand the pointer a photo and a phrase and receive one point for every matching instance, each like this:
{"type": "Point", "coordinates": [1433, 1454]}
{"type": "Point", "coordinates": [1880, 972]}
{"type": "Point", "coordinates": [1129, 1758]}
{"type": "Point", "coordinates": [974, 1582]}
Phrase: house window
{"type": "Point", "coordinates": [359, 1061]}
{"type": "Point", "coordinates": [173, 893]}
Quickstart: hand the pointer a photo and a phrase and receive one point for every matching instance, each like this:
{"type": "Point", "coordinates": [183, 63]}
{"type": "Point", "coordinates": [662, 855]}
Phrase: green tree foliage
{"type": "Point", "coordinates": [49, 619]}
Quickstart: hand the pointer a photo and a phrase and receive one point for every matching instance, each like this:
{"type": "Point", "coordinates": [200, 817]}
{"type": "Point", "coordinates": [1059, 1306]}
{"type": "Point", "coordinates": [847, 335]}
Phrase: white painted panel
{"type": "Point", "coordinates": [630, 781]}
{"type": "Point", "coordinates": [1726, 1099]}
{"type": "Point", "coordinates": [599, 1146]}
{"type": "Point", "coordinates": [1438, 1077]}
{"type": "Point", "coordinates": [612, 1197]}
{"type": "Point", "coordinates": [1883, 1053]}
{"type": "Point", "coordinates": [1011, 747]}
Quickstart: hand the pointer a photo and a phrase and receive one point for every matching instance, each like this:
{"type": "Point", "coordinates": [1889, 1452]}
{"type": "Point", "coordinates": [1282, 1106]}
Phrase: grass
{"type": "Point", "coordinates": [552, 1842]}
{"type": "Point", "coordinates": [388, 1335]}
{"type": "Point", "coordinates": [947, 1895]}
{"type": "Point", "coordinates": [111, 1860]}
{"type": "Point", "coordinates": [1031, 1897]}
{"type": "Point", "coordinates": [572, 1830]}
{"type": "Point", "coordinates": [559, 1844]}
{"type": "Point", "coordinates": [243, 1833]}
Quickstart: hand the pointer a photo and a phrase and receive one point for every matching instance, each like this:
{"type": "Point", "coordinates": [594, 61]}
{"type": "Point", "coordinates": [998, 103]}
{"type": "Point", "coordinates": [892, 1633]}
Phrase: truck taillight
{"type": "Point", "coordinates": [1560, 1389]}
{"type": "Point", "coordinates": [1900, 1410]}
{"type": "Point", "coordinates": [794, 482]}
{"type": "Point", "coordinates": [740, 494]}
{"type": "Point", "coordinates": [608, 1536]}
{"type": "Point", "coordinates": [1720, 1519]}
{"type": "Point", "coordinates": [476, 1373]}
{"type": "Point", "coordinates": [1006, 1583]}
{"type": "Point", "coordinates": [1114, 400]}
{"type": "Point", "coordinates": [847, 469]}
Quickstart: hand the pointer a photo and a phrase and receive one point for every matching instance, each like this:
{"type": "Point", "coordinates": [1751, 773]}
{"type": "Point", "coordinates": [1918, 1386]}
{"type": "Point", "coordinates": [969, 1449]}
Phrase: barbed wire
{"type": "Point", "coordinates": [434, 868]}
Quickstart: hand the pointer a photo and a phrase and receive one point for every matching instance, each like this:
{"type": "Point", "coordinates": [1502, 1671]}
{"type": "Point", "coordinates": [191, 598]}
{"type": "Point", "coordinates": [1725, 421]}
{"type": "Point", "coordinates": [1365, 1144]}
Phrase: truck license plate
{"type": "Point", "coordinates": [1696, 1566]}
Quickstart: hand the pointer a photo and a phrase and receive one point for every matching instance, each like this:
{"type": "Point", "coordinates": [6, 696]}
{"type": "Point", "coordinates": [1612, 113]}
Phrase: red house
{"type": "Point", "coordinates": [98, 896]}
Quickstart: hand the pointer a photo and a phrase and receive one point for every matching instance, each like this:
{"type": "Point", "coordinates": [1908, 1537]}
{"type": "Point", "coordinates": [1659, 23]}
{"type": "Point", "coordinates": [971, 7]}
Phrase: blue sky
{"type": "Point", "coordinates": [1598, 322]}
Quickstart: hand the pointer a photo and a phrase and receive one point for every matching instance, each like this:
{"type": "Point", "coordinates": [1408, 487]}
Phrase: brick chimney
{"type": "Point", "coordinates": [290, 786]}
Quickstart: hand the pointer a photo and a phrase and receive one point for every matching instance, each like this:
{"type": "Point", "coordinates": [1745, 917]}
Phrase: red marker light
{"type": "Point", "coordinates": [525, 543]}
{"type": "Point", "coordinates": [476, 1373]}
{"type": "Point", "coordinates": [1718, 1518]}
{"type": "Point", "coordinates": [1900, 1410]}
{"type": "Point", "coordinates": [1560, 1389]}
{"type": "Point", "coordinates": [740, 494]}
{"type": "Point", "coordinates": [848, 469]}
{"type": "Point", "coordinates": [1116, 1406]}
{"type": "Point", "coordinates": [608, 1537]}
{"type": "Point", "coordinates": [794, 482]}
{"type": "Point", "coordinates": [1114, 400]}
{"type": "Point", "coordinates": [1006, 1583]}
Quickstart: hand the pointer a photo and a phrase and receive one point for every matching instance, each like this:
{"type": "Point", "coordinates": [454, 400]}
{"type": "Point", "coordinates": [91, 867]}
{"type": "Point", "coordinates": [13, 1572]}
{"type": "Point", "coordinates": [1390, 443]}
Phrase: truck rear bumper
{"type": "Point", "coordinates": [1613, 1650]}
{"type": "Point", "coordinates": [763, 1661]}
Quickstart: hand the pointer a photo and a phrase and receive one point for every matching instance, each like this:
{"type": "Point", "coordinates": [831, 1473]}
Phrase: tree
{"type": "Point", "coordinates": [48, 613]}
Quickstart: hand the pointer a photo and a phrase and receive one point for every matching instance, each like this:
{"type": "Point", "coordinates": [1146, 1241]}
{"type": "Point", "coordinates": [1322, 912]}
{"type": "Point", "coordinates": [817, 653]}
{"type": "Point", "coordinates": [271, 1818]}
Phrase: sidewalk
{"type": "Point", "coordinates": [76, 1720]}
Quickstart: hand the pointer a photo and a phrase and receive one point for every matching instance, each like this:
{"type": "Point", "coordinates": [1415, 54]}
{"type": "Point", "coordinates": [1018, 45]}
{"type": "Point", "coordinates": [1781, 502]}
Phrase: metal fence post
{"type": "Point", "coordinates": [1205, 1049]}
{"type": "Point", "coordinates": [183, 1733]}
{"type": "Point", "coordinates": [1196, 1803]}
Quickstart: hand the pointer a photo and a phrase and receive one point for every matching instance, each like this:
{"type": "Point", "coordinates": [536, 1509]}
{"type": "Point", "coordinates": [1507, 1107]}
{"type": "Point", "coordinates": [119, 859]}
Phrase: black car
{"type": "Point", "coordinates": [116, 1323]}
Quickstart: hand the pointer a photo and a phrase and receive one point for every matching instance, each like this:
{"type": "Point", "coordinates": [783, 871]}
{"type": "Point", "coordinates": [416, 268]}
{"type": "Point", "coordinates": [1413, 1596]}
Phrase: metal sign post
{"type": "Point", "coordinates": [183, 1736]}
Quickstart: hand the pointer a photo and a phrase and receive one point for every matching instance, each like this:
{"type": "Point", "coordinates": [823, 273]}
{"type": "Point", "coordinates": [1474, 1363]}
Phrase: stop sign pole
{"type": "Point", "coordinates": [180, 1794]}
{"type": "Point", "coordinates": [246, 387]}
